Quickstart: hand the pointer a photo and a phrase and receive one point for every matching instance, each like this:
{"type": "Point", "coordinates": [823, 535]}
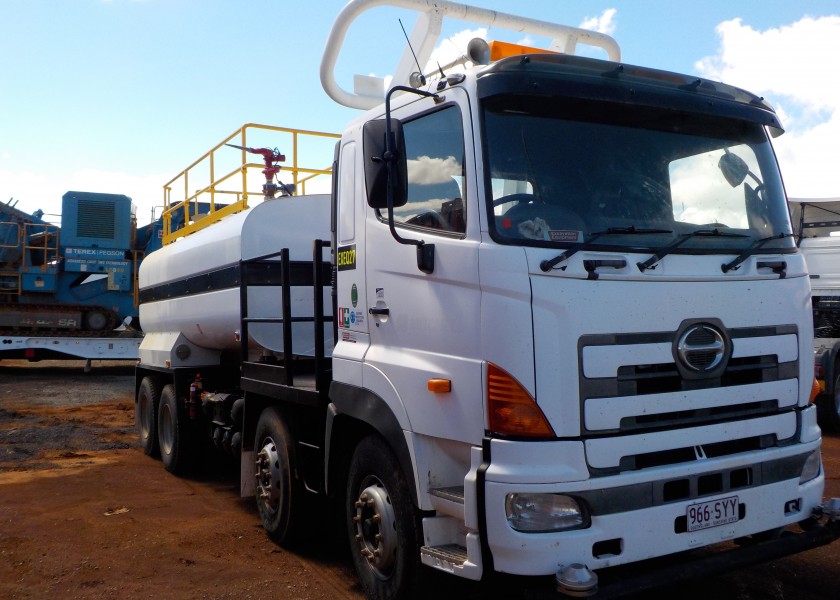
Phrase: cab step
{"type": "Point", "coordinates": [456, 558]}
{"type": "Point", "coordinates": [453, 554]}
{"type": "Point", "coordinates": [449, 501]}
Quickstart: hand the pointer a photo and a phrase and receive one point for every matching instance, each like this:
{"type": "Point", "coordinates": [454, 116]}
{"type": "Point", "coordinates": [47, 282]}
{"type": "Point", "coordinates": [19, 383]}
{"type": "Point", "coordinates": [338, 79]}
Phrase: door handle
{"type": "Point", "coordinates": [373, 310]}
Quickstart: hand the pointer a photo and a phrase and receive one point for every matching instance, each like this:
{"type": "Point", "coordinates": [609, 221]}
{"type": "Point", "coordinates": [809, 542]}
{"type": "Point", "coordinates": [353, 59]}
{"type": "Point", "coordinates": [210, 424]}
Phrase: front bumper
{"type": "Point", "coordinates": [651, 575]}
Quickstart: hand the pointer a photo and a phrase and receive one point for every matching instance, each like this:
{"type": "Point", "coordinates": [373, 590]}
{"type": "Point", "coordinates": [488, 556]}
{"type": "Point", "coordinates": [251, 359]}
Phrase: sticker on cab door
{"type": "Point", "coordinates": [345, 257]}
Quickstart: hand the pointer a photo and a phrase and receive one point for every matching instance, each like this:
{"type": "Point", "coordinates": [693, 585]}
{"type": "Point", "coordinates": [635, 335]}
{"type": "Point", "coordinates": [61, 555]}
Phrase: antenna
{"type": "Point", "coordinates": [408, 41]}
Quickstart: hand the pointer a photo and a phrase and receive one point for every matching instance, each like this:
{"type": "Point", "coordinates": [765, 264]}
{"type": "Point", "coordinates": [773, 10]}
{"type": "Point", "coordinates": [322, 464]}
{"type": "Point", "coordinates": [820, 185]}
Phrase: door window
{"type": "Point", "coordinates": [434, 146]}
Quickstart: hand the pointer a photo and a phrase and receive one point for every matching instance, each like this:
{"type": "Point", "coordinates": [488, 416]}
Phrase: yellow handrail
{"type": "Point", "coordinates": [198, 209]}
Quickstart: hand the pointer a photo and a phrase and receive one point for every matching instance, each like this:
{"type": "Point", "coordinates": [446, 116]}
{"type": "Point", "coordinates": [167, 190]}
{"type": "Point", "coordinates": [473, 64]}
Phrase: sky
{"type": "Point", "coordinates": [119, 96]}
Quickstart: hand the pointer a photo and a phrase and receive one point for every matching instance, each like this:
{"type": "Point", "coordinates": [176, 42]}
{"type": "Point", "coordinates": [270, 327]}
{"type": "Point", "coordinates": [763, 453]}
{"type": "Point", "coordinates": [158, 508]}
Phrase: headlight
{"type": "Point", "coordinates": [541, 513]}
{"type": "Point", "coordinates": [811, 468]}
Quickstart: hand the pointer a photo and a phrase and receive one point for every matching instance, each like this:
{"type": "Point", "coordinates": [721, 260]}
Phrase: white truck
{"type": "Point", "coordinates": [817, 225]}
{"type": "Point", "coordinates": [551, 319]}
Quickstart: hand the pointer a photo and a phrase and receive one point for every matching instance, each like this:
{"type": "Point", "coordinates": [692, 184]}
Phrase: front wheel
{"type": "Point", "coordinates": [382, 523]}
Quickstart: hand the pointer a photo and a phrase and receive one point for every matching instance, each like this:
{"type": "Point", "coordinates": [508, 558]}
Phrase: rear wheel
{"type": "Point", "coordinates": [145, 415]}
{"type": "Point", "coordinates": [382, 523]}
{"type": "Point", "coordinates": [279, 492]}
{"type": "Point", "coordinates": [176, 449]}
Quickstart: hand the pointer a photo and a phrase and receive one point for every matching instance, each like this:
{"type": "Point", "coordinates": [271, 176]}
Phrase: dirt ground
{"type": "Point", "coordinates": [85, 514]}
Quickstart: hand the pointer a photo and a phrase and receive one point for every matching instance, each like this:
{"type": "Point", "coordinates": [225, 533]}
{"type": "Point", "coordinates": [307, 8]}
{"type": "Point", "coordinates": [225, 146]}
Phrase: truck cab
{"type": "Point", "coordinates": [616, 307]}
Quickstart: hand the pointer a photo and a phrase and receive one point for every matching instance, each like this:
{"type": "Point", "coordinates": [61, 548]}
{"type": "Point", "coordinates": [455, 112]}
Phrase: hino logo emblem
{"type": "Point", "coordinates": [701, 348]}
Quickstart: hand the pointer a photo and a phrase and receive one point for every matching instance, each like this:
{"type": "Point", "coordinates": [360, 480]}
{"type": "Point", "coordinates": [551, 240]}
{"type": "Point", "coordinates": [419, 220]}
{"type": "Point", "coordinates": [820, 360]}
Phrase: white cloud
{"type": "Point", "coordinates": [603, 23]}
{"type": "Point", "coordinates": [795, 67]}
{"type": "Point", "coordinates": [453, 48]}
{"type": "Point", "coordinates": [429, 171]}
{"type": "Point", "coordinates": [36, 190]}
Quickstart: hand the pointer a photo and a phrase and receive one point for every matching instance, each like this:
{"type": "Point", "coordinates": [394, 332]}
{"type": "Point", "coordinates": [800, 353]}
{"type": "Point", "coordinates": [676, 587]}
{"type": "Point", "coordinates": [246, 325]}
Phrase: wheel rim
{"type": "Point", "coordinates": [167, 435]}
{"type": "Point", "coordinates": [268, 476]}
{"type": "Point", "coordinates": [376, 531]}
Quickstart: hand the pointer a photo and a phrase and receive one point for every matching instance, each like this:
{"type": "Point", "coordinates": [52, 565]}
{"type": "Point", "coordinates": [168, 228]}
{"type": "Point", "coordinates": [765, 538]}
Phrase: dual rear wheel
{"type": "Point", "coordinates": [162, 426]}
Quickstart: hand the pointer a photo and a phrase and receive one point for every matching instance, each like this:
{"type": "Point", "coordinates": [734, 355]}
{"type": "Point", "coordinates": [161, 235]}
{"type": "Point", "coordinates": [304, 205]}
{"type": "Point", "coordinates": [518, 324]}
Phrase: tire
{"type": "Point", "coordinates": [176, 449]}
{"type": "Point", "coordinates": [382, 523]}
{"type": "Point", "coordinates": [833, 416]}
{"type": "Point", "coordinates": [279, 493]}
{"type": "Point", "coordinates": [828, 406]}
{"type": "Point", "coordinates": [145, 416]}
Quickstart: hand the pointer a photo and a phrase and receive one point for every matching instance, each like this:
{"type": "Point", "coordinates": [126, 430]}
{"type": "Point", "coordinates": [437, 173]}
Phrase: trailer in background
{"type": "Point", "coordinates": [816, 223]}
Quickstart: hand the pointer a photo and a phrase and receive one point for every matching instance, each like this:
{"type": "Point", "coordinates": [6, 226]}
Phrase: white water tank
{"type": "Point", "coordinates": [191, 286]}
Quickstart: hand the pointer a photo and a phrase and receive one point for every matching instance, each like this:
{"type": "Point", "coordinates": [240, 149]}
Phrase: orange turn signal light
{"type": "Point", "coordinates": [511, 409]}
{"type": "Point", "coordinates": [439, 386]}
{"type": "Point", "coordinates": [816, 390]}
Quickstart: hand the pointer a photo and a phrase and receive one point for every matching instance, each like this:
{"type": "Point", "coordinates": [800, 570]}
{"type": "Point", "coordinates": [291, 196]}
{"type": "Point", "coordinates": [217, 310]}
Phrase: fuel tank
{"type": "Point", "coordinates": [192, 285]}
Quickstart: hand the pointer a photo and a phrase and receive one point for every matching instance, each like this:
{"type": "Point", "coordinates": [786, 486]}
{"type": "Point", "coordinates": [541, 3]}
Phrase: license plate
{"type": "Point", "coordinates": [711, 514]}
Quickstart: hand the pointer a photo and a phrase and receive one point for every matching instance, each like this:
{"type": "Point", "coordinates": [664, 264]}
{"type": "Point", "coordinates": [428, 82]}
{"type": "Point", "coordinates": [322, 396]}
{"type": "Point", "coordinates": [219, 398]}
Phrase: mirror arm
{"type": "Point", "coordinates": [425, 252]}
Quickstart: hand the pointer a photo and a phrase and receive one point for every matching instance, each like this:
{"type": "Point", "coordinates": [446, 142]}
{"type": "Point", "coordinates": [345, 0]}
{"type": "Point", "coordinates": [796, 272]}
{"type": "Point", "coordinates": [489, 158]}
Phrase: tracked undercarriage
{"type": "Point", "coordinates": [46, 319]}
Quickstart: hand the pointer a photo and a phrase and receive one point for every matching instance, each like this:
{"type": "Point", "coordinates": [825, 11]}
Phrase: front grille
{"type": "Point", "coordinates": [681, 455]}
{"type": "Point", "coordinates": [640, 380]}
{"type": "Point", "coordinates": [717, 413]}
{"type": "Point", "coordinates": [627, 394]}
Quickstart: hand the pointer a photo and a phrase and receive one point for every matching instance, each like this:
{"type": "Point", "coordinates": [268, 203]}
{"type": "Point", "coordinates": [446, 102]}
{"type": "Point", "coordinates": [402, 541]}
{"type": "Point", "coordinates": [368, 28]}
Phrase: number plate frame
{"type": "Point", "coordinates": [713, 513]}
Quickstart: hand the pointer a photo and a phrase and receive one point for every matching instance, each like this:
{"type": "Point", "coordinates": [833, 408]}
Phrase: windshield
{"type": "Point", "coordinates": [562, 172]}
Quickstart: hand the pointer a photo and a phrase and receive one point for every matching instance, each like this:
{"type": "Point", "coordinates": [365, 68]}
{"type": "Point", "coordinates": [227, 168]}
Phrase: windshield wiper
{"type": "Point", "coordinates": [662, 252]}
{"type": "Point", "coordinates": [736, 262]}
{"type": "Point", "coordinates": [547, 265]}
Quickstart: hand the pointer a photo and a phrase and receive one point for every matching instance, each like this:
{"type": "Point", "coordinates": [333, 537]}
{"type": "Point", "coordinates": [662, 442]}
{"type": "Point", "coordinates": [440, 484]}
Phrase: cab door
{"type": "Point", "coordinates": [350, 259]}
{"type": "Point", "coordinates": [424, 327]}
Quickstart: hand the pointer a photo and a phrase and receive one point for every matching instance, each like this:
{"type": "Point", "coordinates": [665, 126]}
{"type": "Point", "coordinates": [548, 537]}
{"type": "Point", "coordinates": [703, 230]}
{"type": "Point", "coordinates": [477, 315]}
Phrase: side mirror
{"type": "Point", "coordinates": [734, 169]}
{"type": "Point", "coordinates": [376, 164]}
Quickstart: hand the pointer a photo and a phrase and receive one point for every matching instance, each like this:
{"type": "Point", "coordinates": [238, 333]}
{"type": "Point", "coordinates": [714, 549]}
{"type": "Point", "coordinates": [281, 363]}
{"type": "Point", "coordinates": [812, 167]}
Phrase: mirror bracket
{"type": "Point", "coordinates": [425, 252]}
